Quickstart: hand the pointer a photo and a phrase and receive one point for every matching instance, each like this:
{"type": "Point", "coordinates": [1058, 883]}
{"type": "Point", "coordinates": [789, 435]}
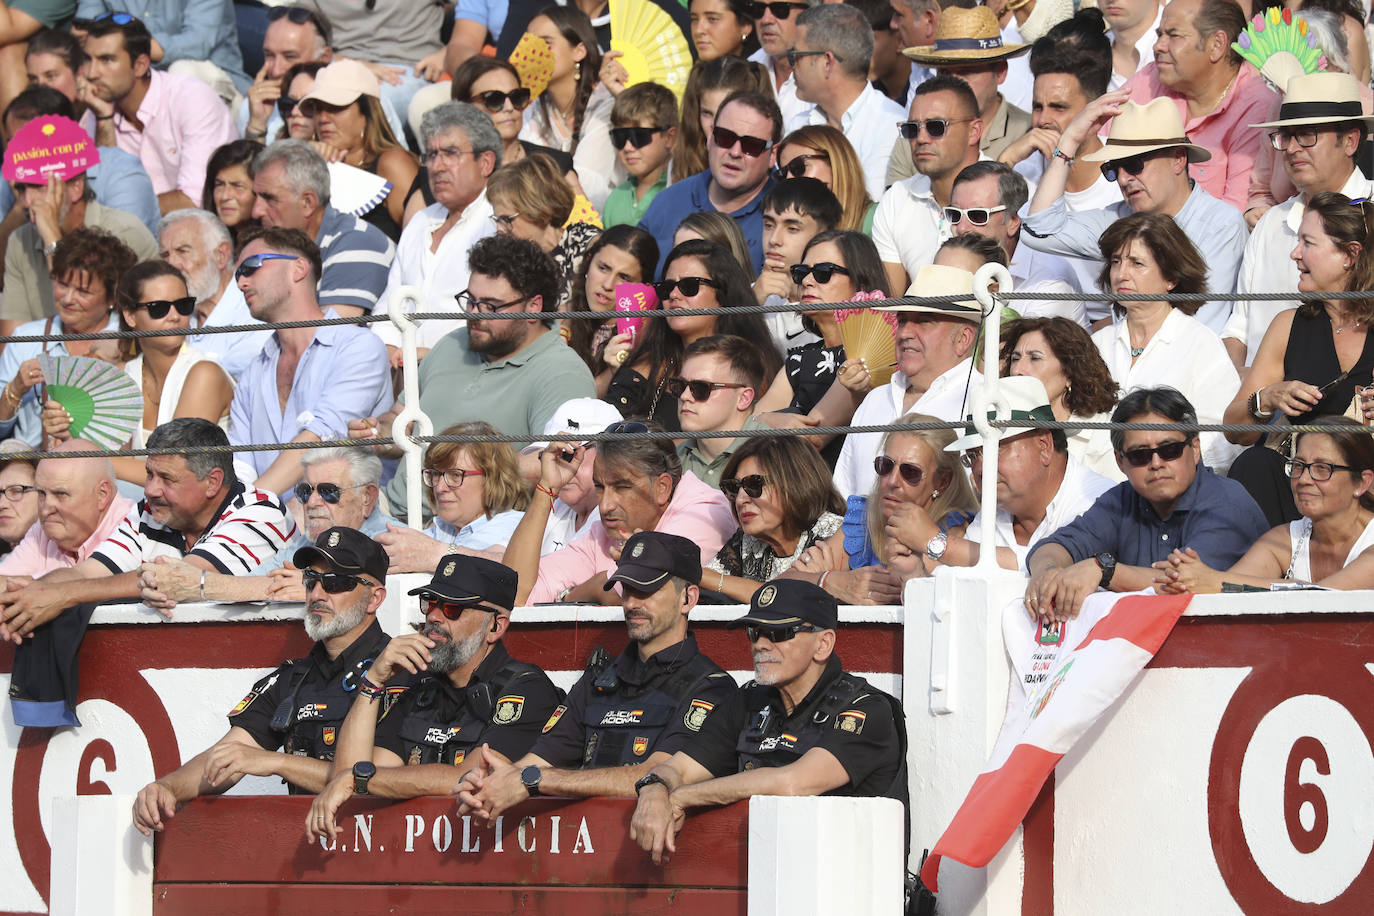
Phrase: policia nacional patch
{"type": "Point", "coordinates": [508, 710]}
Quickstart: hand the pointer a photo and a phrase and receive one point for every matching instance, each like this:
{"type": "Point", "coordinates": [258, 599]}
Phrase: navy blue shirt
{"type": "Point", "coordinates": [675, 202]}
{"type": "Point", "coordinates": [1214, 516]}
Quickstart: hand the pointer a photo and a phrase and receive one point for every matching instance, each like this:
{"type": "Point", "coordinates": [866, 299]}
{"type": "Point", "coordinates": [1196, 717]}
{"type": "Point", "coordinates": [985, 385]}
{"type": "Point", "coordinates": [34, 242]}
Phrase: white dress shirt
{"type": "Point", "coordinates": [869, 124]}
{"type": "Point", "coordinates": [1144, 47]}
{"type": "Point", "coordinates": [786, 94]}
{"type": "Point", "coordinates": [1079, 489]}
{"type": "Point", "coordinates": [1185, 355]}
{"type": "Point", "coordinates": [909, 225]}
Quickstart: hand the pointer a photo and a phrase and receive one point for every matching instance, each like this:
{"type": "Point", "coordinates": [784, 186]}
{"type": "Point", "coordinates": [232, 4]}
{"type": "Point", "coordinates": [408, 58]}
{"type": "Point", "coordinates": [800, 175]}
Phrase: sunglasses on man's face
{"type": "Point", "coordinates": [780, 11]}
{"type": "Point", "coordinates": [1131, 165]}
{"type": "Point", "coordinates": [638, 137]}
{"type": "Point", "coordinates": [690, 286]}
{"type": "Point", "coordinates": [494, 100]}
{"type": "Point", "coordinates": [749, 146]}
{"type": "Point", "coordinates": [977, 216]}
{"type": "Point", "coordinates": [752, 486]}
{"type": "Point", "coordinates": [700, 388]}
{"type": "Point", "coordinates": [329, 492]}
{"type": "Point", "coordinates": [333, 583]}
{"type": "Point", "coordinates": [779, 634]}
{"type": "Point", "coordinates": [158, 308]}
{"type": "Point", "coordinates": [1167, 451]}
{"type": "Point", "coordinates": [935, 128]}
{"type": "Point", "coordinates": [253, 263]}
{"type": "Point", "coordinates": [451, 610]}
{"type": "Point", "coordinates": [822, 271]}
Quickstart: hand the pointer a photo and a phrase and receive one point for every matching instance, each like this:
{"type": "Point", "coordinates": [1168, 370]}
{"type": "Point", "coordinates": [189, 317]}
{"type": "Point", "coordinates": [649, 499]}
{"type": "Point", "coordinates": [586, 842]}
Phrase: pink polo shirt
{"type": "Point", "coordinates": [1225, 131]}
{"type": "Point", "coordinates": [38, 555]}
{"type": "Point", "coordinates": [698, 512]}
{"type": "Point", "coordinates": [184, 122]}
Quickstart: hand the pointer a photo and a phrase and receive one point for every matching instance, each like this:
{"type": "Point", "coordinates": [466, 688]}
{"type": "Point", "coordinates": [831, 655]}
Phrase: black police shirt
{"type": "Point", "coordinates": [564, 741]}
{"type": "Point", "coordinates": [520, 706]}
{"type": "Point", "coordinates": [321, 691]}
{"type": "Point", "coordinates": [861, 734]}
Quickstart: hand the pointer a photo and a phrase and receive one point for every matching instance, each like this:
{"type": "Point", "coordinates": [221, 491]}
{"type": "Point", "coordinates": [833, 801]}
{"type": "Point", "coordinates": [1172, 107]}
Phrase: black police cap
{"type": "Point", "coordinates": [471, 580]}
{"type": "Point", "coordinates": [784, 601]}
{"type": "Point", "coordinates": [649, 558]}
{"type": "Point", "coordinates": [347, 551]}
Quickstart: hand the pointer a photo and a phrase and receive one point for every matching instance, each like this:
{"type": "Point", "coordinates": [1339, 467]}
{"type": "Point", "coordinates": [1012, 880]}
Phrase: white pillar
{"type": "Point", "coordinates": [825, 855]}
{"type": "Point", "coordinates": [100, 863]}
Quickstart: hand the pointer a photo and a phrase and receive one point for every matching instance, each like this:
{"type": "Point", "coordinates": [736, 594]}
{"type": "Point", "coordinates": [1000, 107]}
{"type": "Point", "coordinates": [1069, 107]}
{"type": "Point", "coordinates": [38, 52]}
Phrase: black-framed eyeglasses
{"type": "Point", "coordinates": [911, 474]}
{"type": "Point", "coordinates": [749, 146]}
{"type": "Point", "coordinates": [752, 485]}
{"type": "Point", "coordinates": [934, 127]}
{"type": "Point", "coordinates": [1318, 470]}
{"type": "Point", "coordinates": [494, 100]}
{"type": "Point", "coordinates": [1167, 451]}
{"type": "Point", "coordinates": [822, 271]}
{"type": "Point", "coordinates": [977, 216]}
{"type": "Point", "coordinates": [793, 55]}
{"type": "Point", "coordinates": [690, 286]}
{"type": "Point", "coordinates": [453, 477]}
{"type": "Point", "coordinates": [451, 610]}
{"type": "Point", "coordinates": [796, 167]}
{"type": "Point", "coordinates": [253, 263]}
{"type": "Point", "coordinates": [470, 303]}
{"type": "Point", "coordinates": [638, 137]}
{"type": "Point", "coordinates": [1306, 136]}
{"type": "Point", "coordinates": [778, 634]}
{"type": "Point", "coordinates": [17, 491]}
{"type": "Point", "coordinates": [329, 492]}
{"type": "Point", "coordinates": [779, 10]}
{"type": "Point", "coordinates": [1131, 165]}
{"type": "Point", "coordinates": [158, 308]}
{"type": "Point", "coordinates": [286, 106]}
{"type": "Point", "coordinates": [699, 388]}
{"type": "Point", "coordinates": [333, 583]}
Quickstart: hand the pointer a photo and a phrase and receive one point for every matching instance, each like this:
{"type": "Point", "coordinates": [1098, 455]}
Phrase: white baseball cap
{"type": "Point", "coordinates": [585, 416]}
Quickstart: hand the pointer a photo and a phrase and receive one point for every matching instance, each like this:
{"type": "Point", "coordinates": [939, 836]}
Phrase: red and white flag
{"type": "Point", "coordinates": [1067, 675]}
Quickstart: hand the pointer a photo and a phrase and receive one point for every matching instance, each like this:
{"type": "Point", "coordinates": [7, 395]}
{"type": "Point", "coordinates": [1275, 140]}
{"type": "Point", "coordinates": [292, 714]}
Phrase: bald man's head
{"type": "Point", "coordinates": [74, 494]}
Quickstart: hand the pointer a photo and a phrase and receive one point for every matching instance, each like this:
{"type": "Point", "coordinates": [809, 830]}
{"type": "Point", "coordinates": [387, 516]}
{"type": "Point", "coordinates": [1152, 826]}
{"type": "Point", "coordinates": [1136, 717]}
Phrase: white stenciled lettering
{"type": "Point", "coordinates": [415, 825]}
{"type": "Point", "coordinates": [470, 843]}
{"type": "Point", "coordinates": [442, 833]}
{"type": "Point", "coordinates": [362, 833]}
{"type": "Point", "coordinates": [583, 843]}
{"type": "Point", "coordinates": [496, 841]}
{"type": "Point", "coordinates": [520, 834]}
{"type": "Point", "coordinates": [553, 835]}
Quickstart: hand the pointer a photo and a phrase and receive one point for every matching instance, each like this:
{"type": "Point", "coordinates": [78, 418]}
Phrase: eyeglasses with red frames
{"type": "Point", "coordinates": [453, 477]}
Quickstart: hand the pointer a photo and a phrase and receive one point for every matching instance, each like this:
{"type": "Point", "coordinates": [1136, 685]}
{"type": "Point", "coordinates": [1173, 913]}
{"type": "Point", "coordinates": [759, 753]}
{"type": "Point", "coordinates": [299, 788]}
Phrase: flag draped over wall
{"type": "Point", "coordinates": [1064, 677]}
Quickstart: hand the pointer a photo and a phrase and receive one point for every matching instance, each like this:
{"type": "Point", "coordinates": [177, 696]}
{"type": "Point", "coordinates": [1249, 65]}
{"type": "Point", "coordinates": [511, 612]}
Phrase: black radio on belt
{"type": "Point", "coordinates": [759, 727]}
{"type": "Point", "coordinates": [607, 680]}
{"type": "Point", "coordinates": [480, 701]}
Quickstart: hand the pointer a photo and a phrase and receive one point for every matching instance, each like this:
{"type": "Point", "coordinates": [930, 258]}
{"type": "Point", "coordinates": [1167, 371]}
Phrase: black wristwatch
{"type": "Point", "coordinates": [363, 771]}
{"type": "Point", "coordinates": [1107, 563]}
{"type": "Point", "coordinates": [530, 777]}
{"type": "Point", "coordinates": [649, 780]}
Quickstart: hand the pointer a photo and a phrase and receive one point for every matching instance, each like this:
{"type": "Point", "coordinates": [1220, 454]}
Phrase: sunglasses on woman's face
{"type": "Point", "coordinates": [822, 272]}
{"type": "Point", "coordinates": [690, 286]}
{"type": "Point", "coordinates": [286, 106]}
{"type": "Point", "coordinates": [912, 474]}
{"type": "Point", "coordinates": [796, 168]}
{"type": "Point", "coordinates": [752, 486]}
{"type": "Point", "coordinates": [1167, 451]}
{"type": "Point", "coordinates": [638, 137]}
{"type": "Point", "coordinates": [494, 101]}
{"type": "Point", "coordinates": [158, 308]}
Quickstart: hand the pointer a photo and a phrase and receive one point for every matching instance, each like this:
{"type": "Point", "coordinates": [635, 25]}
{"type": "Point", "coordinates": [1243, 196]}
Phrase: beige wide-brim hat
{"type": "Point", "coordinates": [939, 280]}
{"type": "Point", "coordinates": [1026, 397]}
{"type": "Point", "coordinates": [964, 36]}
{"type": "Point", "coordinates": [343, 83]}
{"type": "Point", "coordinates": [1145, 128]}
{"type": "Point", "coordinates": [1320, 98]}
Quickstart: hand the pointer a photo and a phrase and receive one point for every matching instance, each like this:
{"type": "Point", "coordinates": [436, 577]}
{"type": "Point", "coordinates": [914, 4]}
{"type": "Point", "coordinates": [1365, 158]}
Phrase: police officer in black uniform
{"type": "Point", "coordinates": [628, 713]}
{"type": "Point", "coordinates": [300, 707]}
{"type": "Point", "coordinates": [470, 693]}
{"type": "Point", "coordinates": [802, 722]}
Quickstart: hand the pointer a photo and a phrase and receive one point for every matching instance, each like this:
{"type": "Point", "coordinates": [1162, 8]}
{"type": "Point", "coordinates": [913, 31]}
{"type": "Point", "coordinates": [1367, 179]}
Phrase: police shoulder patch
{"type": "Point", "coordinates": [553, 719]}
{"type": "Point", "coordinates": [696, 714]}
{"type": "Point", "coordinates": [851, 720]}
{"type": "Point", "coordinates": [244, 703]}
{"type": "Point", "coordinates": [508, 710]}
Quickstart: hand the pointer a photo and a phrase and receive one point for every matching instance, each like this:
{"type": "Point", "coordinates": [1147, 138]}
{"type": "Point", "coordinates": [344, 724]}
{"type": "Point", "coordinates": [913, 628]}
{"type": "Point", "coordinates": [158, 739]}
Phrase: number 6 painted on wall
{"type": "Point", "coordinates": [1297, 793]}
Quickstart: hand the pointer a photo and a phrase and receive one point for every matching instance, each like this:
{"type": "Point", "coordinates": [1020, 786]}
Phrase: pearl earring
{"type": "Point", "coordinates": [934, 494]}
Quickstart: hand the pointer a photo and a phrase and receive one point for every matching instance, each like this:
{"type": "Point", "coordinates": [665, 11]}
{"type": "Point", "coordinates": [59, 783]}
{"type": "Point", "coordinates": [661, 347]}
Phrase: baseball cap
{"type": "Point", "coordinates": [346, 550]}
{"type": "Point", "coordinates": [342, 83]}
{"type": "Point", "coordinates": [791, 601]}
{"type": "Point", "coordinates": [471, 580]}
{"type": "Point", "coordinates": [649, 558]}
{"type": "Point", "coordinates": [580, 416]}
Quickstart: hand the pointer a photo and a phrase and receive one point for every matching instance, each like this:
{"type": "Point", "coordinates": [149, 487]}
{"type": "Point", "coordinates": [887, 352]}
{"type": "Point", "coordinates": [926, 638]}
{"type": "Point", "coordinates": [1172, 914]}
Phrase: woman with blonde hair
{"type": "Point", "coordinates": [820, 151]}
{"type": "Point", "coordinates": [476, 494]}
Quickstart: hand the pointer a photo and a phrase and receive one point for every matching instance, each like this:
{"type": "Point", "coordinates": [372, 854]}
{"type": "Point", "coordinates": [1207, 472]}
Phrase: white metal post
{"type": "Point", "coordinates": [987, 400]}
{"type": "Point", "coordinates": [410, 299]}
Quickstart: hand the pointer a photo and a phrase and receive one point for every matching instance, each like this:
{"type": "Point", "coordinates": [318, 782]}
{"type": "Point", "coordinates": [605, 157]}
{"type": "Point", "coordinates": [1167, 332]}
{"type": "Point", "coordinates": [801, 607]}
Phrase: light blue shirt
{"type": "Point", "coordinates": [372, 526]}
{"type": "Point", "coordinates": [186, 29]}
{"type": "Point", "coordinates": [1216, 228]}
{"type": "Point", "coordinates": [490, 13]}
{"type": "Point", "coordinates": [27, 423]}
{"type": "Point", "coordinates": [344, 374]}
{"type": "Point", "coordinates": [120, 182]}
{"type": "Point", "coordinates": [234, 351]}
{"type": "Point", "coordinates": [478, 534]}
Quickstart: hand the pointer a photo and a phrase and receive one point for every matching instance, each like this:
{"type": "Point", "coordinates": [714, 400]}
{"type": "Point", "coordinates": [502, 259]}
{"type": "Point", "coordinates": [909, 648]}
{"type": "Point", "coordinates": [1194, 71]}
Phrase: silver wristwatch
{"type": "Point", "coordinates": [935, 547]}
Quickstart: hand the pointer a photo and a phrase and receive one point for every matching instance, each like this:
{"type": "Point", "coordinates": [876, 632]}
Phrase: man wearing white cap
{"type": "Point", "coordinates": [933, 375]}
{"type": "Point", "coordinates": [1039, 489]}
{"type": "Point", "coordinates": [574, 509]}
{"type": "Point", "coordinates": [1318, 134]}
{"type": "Point", "coordinates": [1149, 156]}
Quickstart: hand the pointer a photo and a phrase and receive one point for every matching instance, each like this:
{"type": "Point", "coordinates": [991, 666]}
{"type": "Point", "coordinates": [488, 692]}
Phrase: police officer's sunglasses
{"type": "Point", "coordinates": [450, 609]}
{"type": "Point", "coordinates": [329, 492]}
{"type": "Point", "coordinates": [779, 634]}
{"type": "Point", "coordinates": [333, 583]}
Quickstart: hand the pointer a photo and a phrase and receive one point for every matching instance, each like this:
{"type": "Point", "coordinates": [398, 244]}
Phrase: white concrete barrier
{"type": "Point", "coordinates": [100, 863]}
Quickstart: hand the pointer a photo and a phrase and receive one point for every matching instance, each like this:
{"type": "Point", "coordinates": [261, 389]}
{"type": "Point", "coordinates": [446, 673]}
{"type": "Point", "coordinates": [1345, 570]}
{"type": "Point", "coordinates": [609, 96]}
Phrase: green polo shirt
{"type": "Point", "coordinates": [623, 209]}
{"type": "Point", "coordinates": [694, 460]}
{"type": "Point", "coordinates": [517, 395]}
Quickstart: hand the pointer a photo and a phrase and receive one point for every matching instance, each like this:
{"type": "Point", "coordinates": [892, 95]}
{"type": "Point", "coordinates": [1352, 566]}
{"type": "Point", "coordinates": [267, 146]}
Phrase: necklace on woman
{"type": "Point", "coordinates": [1136, 351]}
{"type": "Point", "coordinates": [1344, 327]}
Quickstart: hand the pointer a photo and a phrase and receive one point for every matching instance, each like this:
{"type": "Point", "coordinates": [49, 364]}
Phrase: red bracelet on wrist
{"type": "Point", "coordinates": [552, 493]}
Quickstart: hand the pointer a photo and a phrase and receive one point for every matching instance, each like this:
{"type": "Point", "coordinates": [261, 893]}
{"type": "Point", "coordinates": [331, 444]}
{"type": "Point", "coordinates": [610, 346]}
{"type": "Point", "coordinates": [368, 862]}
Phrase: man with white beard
{"type": "Point", "coordinates": [196, 243]}
{"type": "Point", "coordinates": [288, 723]}
{"type": "Point", "coordinates": [470, 694]}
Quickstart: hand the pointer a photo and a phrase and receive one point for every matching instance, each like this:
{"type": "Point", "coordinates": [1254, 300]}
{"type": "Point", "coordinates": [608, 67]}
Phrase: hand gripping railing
{"type": "Point", "coordinates": [409, 299]}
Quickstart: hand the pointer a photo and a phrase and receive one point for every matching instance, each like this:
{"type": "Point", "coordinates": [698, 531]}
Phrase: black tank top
{"type": "Point", "coordinates": [1311, 357]}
